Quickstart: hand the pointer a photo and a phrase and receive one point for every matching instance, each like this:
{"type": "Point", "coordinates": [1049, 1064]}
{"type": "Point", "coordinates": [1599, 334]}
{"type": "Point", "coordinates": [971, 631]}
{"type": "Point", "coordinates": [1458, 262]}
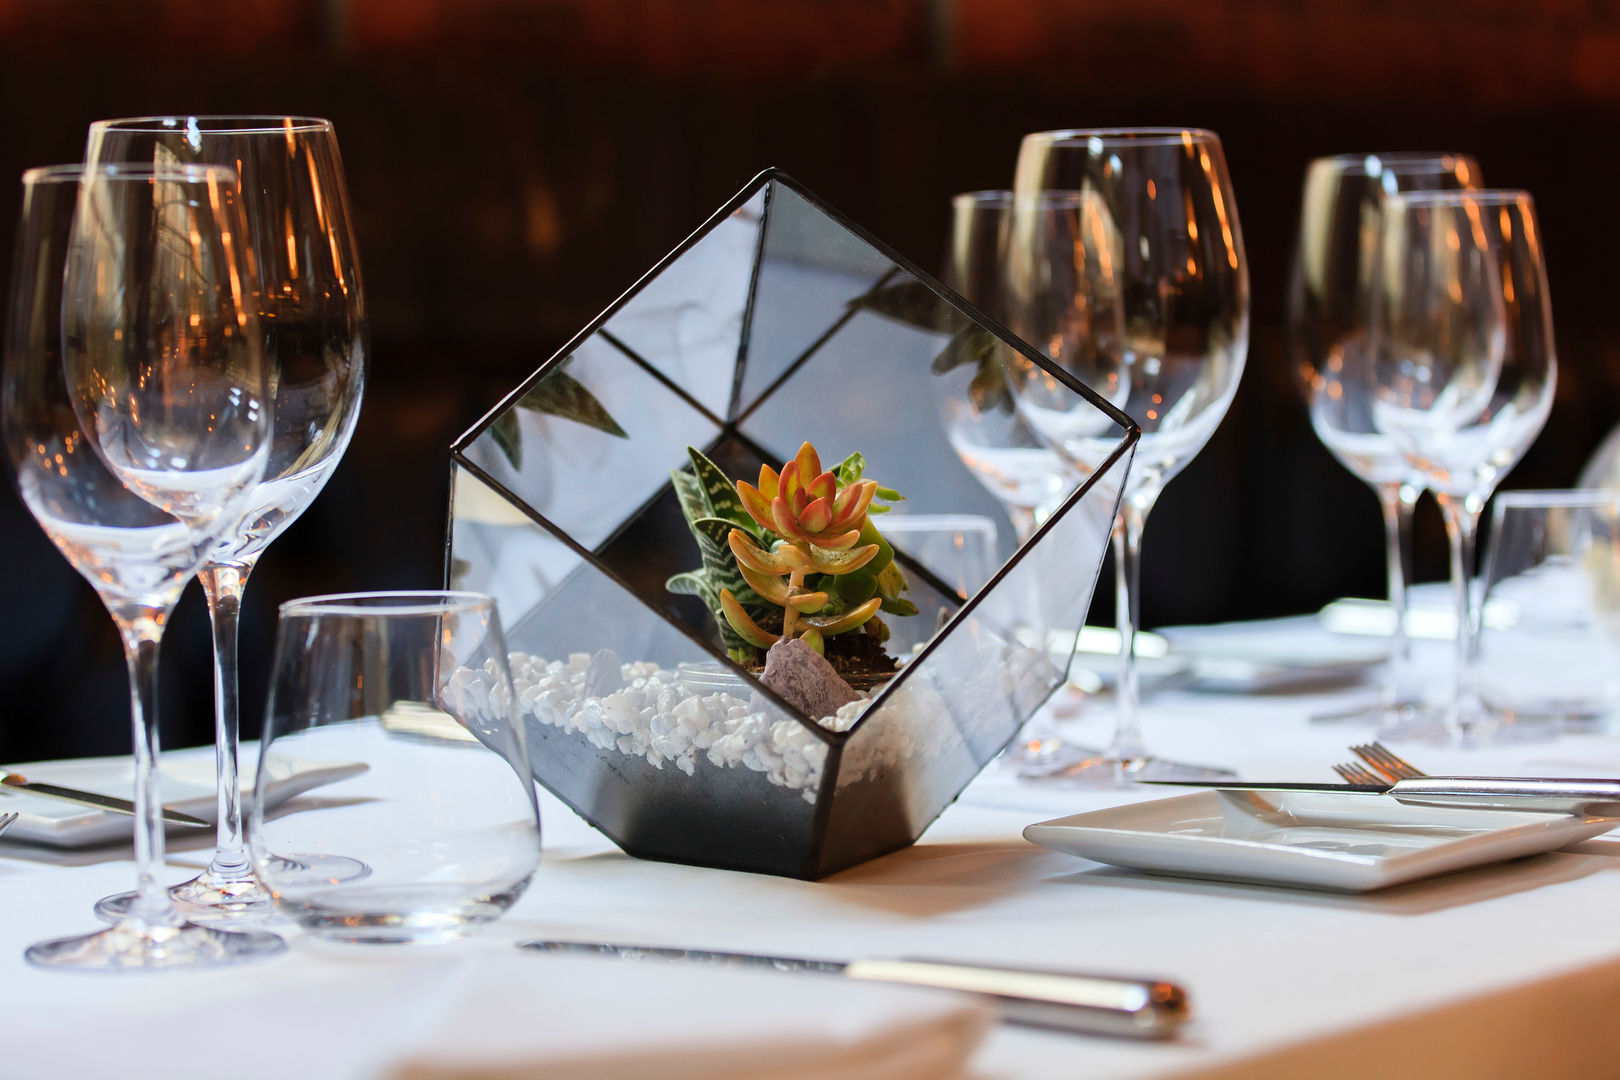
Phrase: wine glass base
{"type": "Point", "coordinates": [1037, 759]}
{"type": "Point", "coordinates": [1104, 772]}
{"type": "Point", "coordinates": [1381, 712]}
{"type": "Point", "coordinates": [204, 900]}
{"type": "Point", "coordinates": [210, 901]}
{"type": "Point", "coordinates": [136, 946]}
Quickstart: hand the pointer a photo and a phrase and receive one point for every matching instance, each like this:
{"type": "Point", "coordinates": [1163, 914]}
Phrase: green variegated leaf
{"type": "Point", "coordinates": [720, 565]}
{"type": "Point", "coordinates": [691, 583]}
{"type": "Point", "coordinates": [509, 437]}
{"type": "Point", "coordinates": [560, 394]}
{"type": "Point", "coordinates": [719, 493]}
{"type": "Point", "coordinates": [689, 490]}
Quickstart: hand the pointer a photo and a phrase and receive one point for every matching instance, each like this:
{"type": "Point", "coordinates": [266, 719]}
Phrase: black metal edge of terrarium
{"type": "Point", "coordinates": [590, 559]}
{"type": "Point", "coordinates": [745, 333]}
{"type": "Point", "coordinates": [730, 207]}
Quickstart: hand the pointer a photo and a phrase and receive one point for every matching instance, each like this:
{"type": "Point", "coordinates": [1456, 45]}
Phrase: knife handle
{"type": "Point", "coordinates": [1589, 798]}
{"type": "Point", "coordinates": [1091, 1004]}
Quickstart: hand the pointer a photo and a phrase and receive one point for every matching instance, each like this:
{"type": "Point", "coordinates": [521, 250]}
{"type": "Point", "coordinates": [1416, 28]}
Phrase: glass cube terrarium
{"type": "Point", "coordinates": [775, 324]}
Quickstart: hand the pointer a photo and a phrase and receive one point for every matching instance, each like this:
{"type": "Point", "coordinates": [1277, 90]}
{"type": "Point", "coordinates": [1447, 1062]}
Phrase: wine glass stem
{"type": "Point", "coordinates": [223, 584]}
{"type": "Point", "coordinates": [1398, 501]}
{"type": "Point", "coordinates": [1127, 744]}
{"type": "Point", "coordinates": [142, 630]}
{"type": "Point", "coordinates": [1462, 524]}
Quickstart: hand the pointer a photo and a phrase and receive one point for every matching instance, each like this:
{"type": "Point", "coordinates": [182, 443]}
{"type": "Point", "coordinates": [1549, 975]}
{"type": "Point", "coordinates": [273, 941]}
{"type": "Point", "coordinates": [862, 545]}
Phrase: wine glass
{"type": "Point", "coordinates": [996, 444]}
{"type": "Point", "coordinates": [1462, 363]}
{"type": "Point", "coordinates": [1143, 294]}
{"type": "Point", "coordinates": [136, 418]}
{"type": "Point", "coordinates": [312, 316]}
{"type": "Point", "coordinates": [1328, 295]}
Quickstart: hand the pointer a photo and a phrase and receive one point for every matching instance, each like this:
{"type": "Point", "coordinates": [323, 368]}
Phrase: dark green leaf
{"type": "Point", "coordinates": [910, 302]}
{"type": "Point", "coordinates": [899, 606]}
{"type": "Point", "coordinates": [719, 493]}
{"type": "Point", "coordinates": [988, 390]}
{"type": "Point", "coordinates": [509, 437]}
{"type": "Point", "coordinates": [560, 394]}
{"type": "Point", "coordinates": [969, 345]}
{"type": "Point", "coordinates": [720, 565]}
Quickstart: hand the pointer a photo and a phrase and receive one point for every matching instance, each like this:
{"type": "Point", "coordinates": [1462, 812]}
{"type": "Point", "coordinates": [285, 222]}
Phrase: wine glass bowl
{"type": "Point", "coordinates": [1141, 291]}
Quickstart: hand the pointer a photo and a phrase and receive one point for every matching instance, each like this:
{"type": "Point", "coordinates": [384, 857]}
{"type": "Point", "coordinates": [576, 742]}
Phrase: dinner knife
{"type": "Point", "coordinates": [1564, 795]}
{"type": "Point", "coordinates": [17, 782]}
{"type": "Point", "coordinates": [1091, 1004]}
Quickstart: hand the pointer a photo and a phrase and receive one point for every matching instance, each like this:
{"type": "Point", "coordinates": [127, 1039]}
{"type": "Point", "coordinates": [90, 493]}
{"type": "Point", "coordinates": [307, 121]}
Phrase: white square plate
{"type": "Point", "coordinates": [1347, 843]}
{"type": "Point", "coordinates": [188, 786]}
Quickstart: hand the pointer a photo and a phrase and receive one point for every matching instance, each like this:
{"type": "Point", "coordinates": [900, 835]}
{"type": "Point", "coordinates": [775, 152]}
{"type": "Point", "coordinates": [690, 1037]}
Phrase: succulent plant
{"type": "Point", "coordinates": [800, 541]}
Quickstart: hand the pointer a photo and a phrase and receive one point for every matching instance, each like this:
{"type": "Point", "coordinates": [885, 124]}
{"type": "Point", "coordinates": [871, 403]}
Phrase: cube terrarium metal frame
{"type": "Point", "coordinates": [777, 322]}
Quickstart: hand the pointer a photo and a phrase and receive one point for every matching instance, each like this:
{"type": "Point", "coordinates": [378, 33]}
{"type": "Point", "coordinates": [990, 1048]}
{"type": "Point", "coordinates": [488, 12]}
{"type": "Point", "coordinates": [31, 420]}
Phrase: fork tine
{"type": "Point", "coordinates": [1359, 774]}
{"type": "Point", "coordinates": [1407, 768]}
{"type": "Point", "coordinates": [1381, 758]}
{"type": "Point", "coordinates": [1372, 757]}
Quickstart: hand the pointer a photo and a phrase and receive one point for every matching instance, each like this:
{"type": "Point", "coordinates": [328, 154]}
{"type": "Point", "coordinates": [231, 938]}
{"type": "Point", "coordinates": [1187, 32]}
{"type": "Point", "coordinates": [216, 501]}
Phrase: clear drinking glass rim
{"type": "Point", "coordinates": [193, 172]}
{"type": "Point", "coordinates": [1397, 160]}
{"type": "Point", "coordinates": [1129, 136]}
{"type": "Point", "coordinates": [389, 602]}
{"type": "Point", "coordinates": [242, 124]}
{"type": "Point", "coordinates": [1004, 198]}
{"type": "Point", "coordinates": [1482, 196]}
{"type": "Point", "coordinates": [1555, 498]}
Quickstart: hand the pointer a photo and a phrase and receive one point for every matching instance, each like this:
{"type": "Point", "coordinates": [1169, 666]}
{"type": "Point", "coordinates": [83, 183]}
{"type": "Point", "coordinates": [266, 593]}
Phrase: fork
{"type": "Point", "coordinates": [1385, 764]}
{"type": "Point", "coordinates": [1360, 774]}
{"type": "Point", "coordinates": [6, 820]}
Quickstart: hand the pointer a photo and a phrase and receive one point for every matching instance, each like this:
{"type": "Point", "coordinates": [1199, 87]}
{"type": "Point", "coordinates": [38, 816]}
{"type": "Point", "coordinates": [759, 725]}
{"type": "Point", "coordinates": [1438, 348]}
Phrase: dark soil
{"type": "Point", "coordinates": [853, 653]}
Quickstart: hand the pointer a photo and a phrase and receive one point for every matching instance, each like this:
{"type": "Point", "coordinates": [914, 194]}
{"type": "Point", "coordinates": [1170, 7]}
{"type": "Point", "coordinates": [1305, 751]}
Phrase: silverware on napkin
{"type": "Point", "coordinates": [16, 782]}
{"type": "Point", "coordinates": [1092, 1004]}
{"type": "Point", "coordinates": [1566, 795]}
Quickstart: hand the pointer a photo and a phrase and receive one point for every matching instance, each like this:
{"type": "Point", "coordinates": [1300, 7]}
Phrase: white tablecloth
{"type": "Point", "coordinates": [1511, 970]}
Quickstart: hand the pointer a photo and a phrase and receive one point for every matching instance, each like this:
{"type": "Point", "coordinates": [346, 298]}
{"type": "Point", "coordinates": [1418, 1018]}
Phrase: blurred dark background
{"type": "Point", "coordinates": [515, 164]}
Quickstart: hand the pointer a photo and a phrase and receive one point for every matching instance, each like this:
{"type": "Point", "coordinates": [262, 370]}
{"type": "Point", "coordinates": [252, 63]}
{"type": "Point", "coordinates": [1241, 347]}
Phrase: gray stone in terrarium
{"type": "Point", "coordinates": [579, 504]}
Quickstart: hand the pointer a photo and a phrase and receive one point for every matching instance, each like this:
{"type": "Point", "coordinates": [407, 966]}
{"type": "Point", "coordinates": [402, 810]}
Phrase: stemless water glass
{"type": "Point", "coordinates": [415, 686]}
{"type": "Point", "coordinates": [136, 419]}
{"type": "Point", "coordinates": [1341, 214]}
{"type": "Point", "coordinates": [1462, 360]}
{"type": "Point", "coordinates": [1143, 294]}
{"type": "Point", "coordinates": [312, 316]}
{"type": "Point", "coordinates": [1547, 661]}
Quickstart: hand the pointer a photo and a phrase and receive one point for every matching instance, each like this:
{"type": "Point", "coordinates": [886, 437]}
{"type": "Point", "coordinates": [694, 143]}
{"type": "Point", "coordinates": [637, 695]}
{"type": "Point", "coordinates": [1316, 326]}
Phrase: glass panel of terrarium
{"type": "Point", "coordinates": [498, 549]}
{"type": "Point", "coordinates": [870, 387]}
{"type": "Point", "coordinates": [687, 321]}
{"type": "Point", "coordinates": [591, 442]}
{"type": "Point", "coordinates": [811, 271]}
{"type": "Point", "coordinates": [958, 705]}
{"type": "Point", "coordinates": [638, 728]}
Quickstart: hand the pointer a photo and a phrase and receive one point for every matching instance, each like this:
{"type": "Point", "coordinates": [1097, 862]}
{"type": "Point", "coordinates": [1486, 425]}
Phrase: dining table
{"type": "Point", "coordinates": [1505, 970]}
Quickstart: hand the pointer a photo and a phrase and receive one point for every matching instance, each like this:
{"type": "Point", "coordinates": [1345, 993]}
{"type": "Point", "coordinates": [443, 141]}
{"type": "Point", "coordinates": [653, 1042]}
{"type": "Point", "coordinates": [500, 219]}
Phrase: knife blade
{"type": "Point", "coordinates": [17, 782]}
{"type": "Point", "coordinates": [1555, 795]}
{"type": "Point", "coordinates": [1067, 1001]}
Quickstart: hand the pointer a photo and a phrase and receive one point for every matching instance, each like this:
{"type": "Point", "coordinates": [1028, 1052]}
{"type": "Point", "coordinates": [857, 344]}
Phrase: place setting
{"type": "Point", "coordinates": [779, 566]}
